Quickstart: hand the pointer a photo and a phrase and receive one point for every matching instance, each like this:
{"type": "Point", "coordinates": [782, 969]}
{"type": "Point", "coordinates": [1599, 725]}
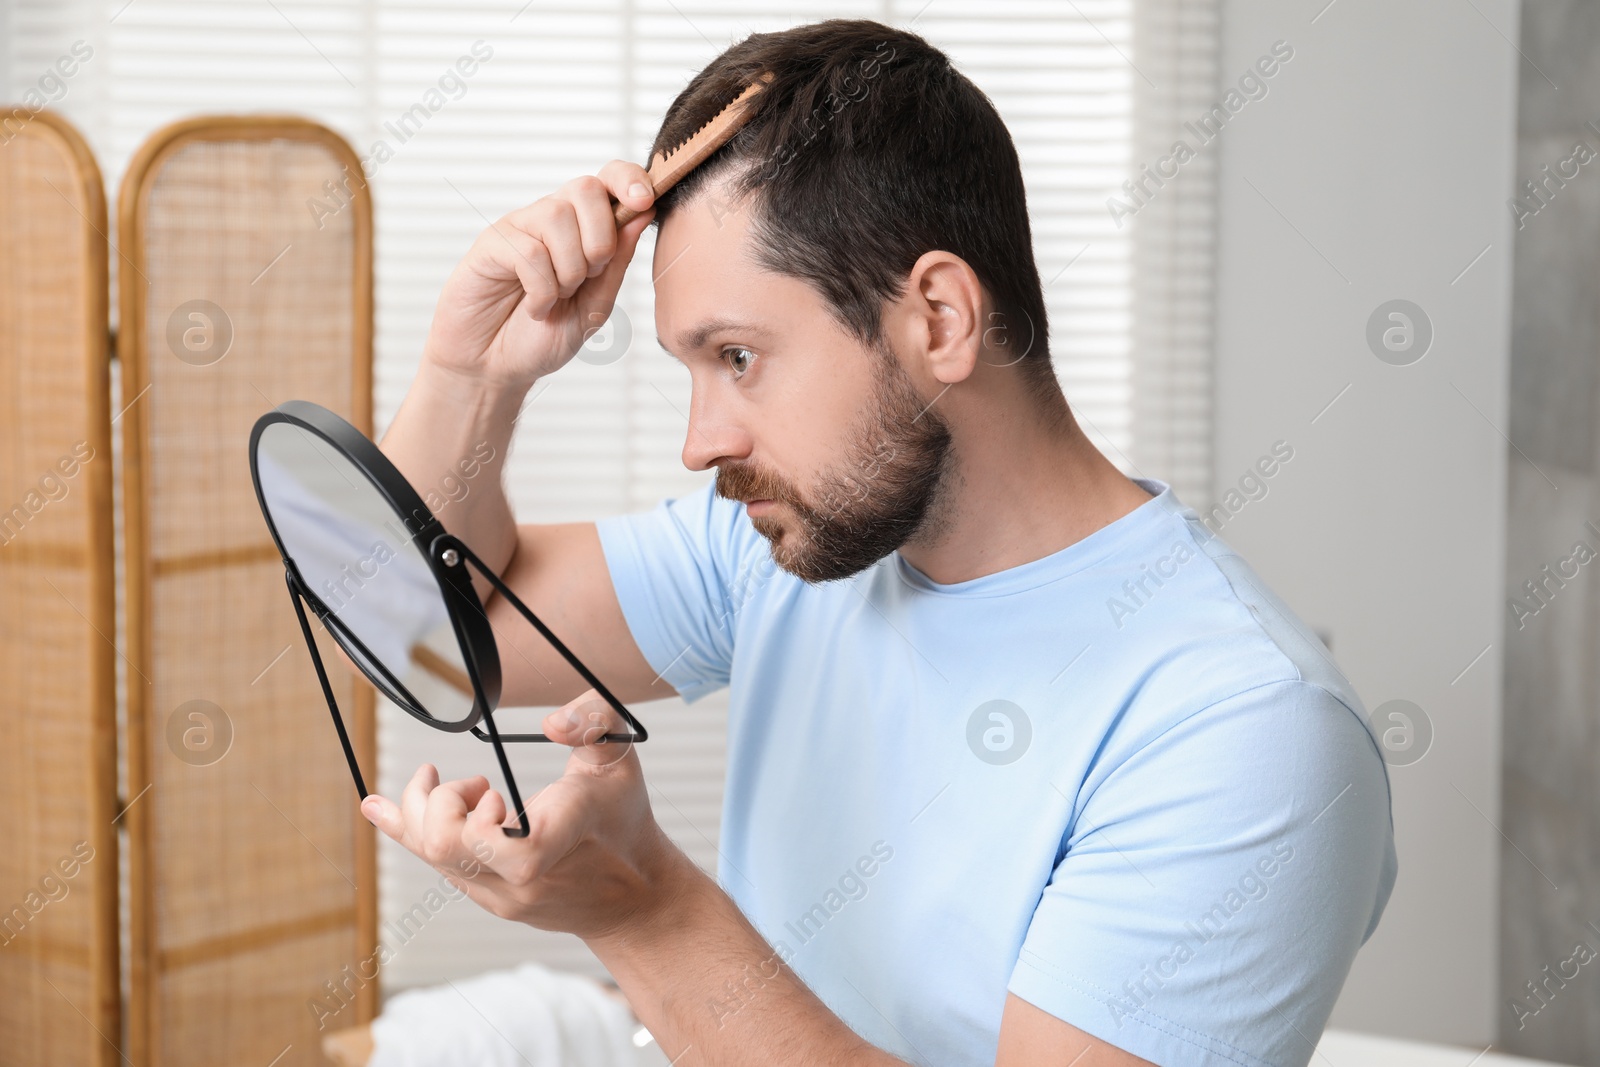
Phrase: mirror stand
{"type": "Point", "coordinates": [450, 551]}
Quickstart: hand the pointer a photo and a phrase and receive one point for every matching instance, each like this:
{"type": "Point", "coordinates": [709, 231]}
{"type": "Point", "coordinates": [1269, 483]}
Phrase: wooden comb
{"type": "Point", "coordinates": [668, 168]}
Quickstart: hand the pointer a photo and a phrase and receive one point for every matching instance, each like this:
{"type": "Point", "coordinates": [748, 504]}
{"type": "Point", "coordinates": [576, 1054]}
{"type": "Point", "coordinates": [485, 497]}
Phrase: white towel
{"type": "Point", "coordinates": [527, 1017]}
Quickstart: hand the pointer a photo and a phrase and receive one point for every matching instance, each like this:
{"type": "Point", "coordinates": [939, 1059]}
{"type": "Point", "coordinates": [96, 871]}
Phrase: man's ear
{"type": "Point", "coordinates": [944, 294]}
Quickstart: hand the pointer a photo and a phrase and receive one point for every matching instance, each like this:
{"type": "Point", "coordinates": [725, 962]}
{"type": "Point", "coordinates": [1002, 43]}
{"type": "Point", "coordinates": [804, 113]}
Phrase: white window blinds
{"type": "Point", "coordinates": [1090, 89]}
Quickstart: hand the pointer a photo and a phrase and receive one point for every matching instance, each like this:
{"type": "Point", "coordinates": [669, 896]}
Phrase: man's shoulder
{"type": "Point", "coordinates": [1224, 637]}
{"type": "Point", "coordinates": [1288, 646]}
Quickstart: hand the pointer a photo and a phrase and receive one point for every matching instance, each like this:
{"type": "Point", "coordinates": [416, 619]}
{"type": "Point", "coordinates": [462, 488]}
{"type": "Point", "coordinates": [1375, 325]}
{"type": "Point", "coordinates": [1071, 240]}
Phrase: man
{"type": "Point", "coordinates": [1025, 767]}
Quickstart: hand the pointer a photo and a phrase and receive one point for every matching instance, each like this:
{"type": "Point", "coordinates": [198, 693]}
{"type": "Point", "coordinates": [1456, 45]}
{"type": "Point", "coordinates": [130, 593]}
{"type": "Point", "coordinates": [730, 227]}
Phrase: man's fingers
{"type": "Point", "coordinates": [601, 292]}
{"type": "Point", "coordinates": [583, 720]}
{"type": "Point", "coordinates": [561, 235]}
{"type": "Point", "coordinates": [620, 177]}
{"type": "Point", "coordinates": [539, 243]}
{"type": "Point", "coordinates": [557, 820]}
{"type": "Point", "coordinates": [403, 821]}
{"type": "Point", "coordinates": [584, 723]}
{"type": "Point", "coordinates": [591, 197]}
{"type": "Point", "coordinates": [567, 244]}
{"type": "Point", "coordinates": [507, 251]}
{"type": "Point", "coordinates": [597, 226]}
{"type": "Point", "coordinates": [469, 789]}
{"type": "Point", "coordinates": [442, 821]}
{"type": "Point", "coordinates": [537, 276]}
{"type": "Point", "coordinates": [414, 801]}
{"type": "Point", "coordinates": [490, 811]}
{"type": "Point", "coordinates": [385, 815]}
{"type": "Point", "coordinates": [552, 221]}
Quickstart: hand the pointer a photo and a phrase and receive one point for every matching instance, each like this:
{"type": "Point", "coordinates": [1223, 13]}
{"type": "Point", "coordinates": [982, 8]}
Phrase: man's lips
{"type": "Point", "coordinates": [758, 507]}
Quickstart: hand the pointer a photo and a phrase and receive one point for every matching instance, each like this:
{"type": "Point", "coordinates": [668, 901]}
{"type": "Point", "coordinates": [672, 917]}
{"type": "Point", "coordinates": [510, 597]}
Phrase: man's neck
{"type": "Point", "coordinates": [1018, 489]}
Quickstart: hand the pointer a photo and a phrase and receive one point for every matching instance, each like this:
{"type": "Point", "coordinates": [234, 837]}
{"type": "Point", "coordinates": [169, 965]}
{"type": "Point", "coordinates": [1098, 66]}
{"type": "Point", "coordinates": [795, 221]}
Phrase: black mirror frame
{"type": "Point", "coordinates": [447, 558]}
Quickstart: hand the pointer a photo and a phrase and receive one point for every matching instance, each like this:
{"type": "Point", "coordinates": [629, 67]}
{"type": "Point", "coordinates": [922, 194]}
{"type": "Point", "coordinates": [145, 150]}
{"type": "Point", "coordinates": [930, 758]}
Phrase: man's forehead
{"type": "Point", "coordinates": [707, 223]}
{"type": "Point", "coordinates": [705, 281]}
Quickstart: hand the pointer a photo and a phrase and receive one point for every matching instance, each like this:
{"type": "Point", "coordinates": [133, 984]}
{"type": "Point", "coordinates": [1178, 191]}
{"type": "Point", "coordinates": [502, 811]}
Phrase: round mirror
{"type": "Point", "coordinates": [356, 537]}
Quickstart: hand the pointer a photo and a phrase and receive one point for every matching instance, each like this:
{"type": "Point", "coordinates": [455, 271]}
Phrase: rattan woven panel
{"type": "Point", "coordinates": [252, 873]}
{"type": "Point", "coordinates": [58, 869]}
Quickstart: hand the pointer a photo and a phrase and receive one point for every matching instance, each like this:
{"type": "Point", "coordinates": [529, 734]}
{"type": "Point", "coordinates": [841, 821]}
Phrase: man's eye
{"type": "Point", "coordinates": [738, 360]}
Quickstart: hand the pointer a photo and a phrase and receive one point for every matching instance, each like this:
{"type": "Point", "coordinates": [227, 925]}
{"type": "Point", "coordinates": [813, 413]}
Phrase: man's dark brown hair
{"type": "Point", "coordinates": [867, 149]}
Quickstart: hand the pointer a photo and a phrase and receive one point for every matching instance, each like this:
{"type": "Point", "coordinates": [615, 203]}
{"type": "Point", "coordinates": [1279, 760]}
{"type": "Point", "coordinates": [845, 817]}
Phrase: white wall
{"type": "Point", "coordinates": [1378, 167]}
{"type": "Point", "coordinates": [5, 50]}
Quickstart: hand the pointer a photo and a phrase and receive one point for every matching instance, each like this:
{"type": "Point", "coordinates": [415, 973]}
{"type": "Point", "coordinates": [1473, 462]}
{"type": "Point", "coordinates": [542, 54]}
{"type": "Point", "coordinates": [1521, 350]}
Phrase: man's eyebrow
{"type": "Point", "coordinates": [695, 339]}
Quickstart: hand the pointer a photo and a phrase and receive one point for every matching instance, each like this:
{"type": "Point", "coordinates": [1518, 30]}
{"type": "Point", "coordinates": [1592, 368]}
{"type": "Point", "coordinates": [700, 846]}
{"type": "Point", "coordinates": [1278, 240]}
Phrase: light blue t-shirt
{"type": "Point", "coordinates": [1121, 781]}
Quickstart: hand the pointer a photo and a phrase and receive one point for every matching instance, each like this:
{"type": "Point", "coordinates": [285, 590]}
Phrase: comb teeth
{"type": "Point", "coordinates": [681, 145]}
{"type": "Point", "coordinates": [662, 157]}
{"type": "Point", "coordinates": [737, 102]}
{"type": "Point", "coordinates": [667, 168]}
{"type": "Point", "coordinates": [709, 137]}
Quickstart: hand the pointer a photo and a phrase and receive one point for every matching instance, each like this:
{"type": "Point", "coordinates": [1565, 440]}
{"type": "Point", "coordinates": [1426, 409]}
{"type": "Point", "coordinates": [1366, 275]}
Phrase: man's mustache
{"type": "Point", "coordinates": [744, 482]}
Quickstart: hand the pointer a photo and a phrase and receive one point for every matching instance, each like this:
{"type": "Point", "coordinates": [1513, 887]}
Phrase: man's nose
{"type": "Point", "coordinates": [712, 435]}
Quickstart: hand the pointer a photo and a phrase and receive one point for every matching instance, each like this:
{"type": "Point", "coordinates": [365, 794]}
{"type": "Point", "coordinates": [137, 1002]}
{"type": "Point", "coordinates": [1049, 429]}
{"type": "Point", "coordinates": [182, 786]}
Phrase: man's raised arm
{"type": "Point", "coordinates": [516, 308]}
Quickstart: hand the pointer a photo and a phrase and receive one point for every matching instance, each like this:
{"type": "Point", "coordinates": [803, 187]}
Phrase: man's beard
{"type": "Point", "coordinates": [881, 495]}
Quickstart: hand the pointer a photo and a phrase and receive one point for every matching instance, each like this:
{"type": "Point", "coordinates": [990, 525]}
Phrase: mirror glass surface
{"type": "Point", "coordinates": [356, 555]}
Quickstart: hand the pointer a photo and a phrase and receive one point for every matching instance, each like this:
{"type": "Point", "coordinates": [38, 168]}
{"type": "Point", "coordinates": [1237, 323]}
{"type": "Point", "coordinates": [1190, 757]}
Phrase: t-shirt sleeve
{"type": "Point", "coordinates": [1217, 882]}
{"type": "Point", "coordinates": [678, 570]}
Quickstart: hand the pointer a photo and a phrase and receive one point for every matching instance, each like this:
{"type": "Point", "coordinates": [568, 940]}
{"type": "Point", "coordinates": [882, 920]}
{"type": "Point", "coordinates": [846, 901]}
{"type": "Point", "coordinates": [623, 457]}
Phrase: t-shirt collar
{"type": "Point", "coordinates": [1059, 564]}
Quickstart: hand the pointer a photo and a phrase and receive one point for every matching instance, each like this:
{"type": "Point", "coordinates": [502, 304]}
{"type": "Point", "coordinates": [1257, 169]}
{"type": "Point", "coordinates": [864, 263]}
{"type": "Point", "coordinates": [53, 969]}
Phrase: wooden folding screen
{"type": "Point", "coordinates": [58, 778]}
{"type": "Point", "coordinates": [245, 279]}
